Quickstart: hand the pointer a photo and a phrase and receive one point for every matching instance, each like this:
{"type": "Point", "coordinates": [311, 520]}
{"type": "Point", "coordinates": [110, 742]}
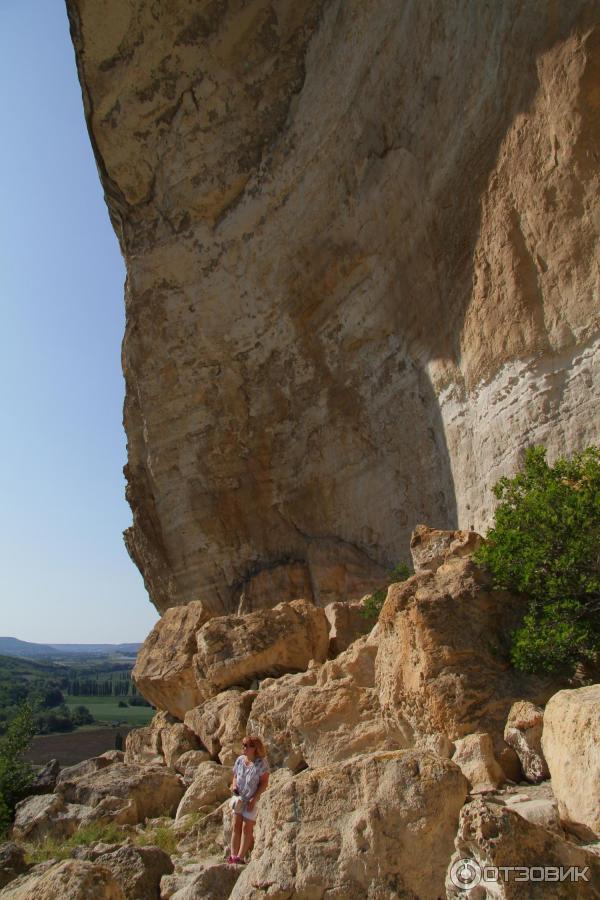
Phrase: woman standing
{"type": "Point", "coordinates": [250, 780]}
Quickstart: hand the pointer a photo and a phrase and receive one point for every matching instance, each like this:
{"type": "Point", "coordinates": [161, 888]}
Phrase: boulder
{"type": "Point", "coordinates": [163, 670]}
{"type": "Point", "coordinates": [187, 764]}
{"type": "Point", "coordinates": [443, 660]}
{"type": "Point", "coordinates": [474, 755]}
{"type": "Point", "coordinates": [149, 791]}
{"type": "Point", "coordinates": [510, 762]}
{"type": "Point", "coordinates": [41, 815]}
{"type": "Point", "coordinates": [523, 732]}
{"type": "Point", "coordinates": [72, 773]}
{"type": "Point", "coordinates": [138, 870]}
{"type": "Point", "coordinates": [72, 879]}
{"type": "Point", "coordinates": [430, 548]}
{"type": "Point", "coordinates": [571, 746]}
{"type": "Point", "coordinates": [234, 650]}
{"type": "Point", "coordinates": [214, 880]}
{"type": "Point", "coordinates": [327, 714]}
{"type": "Point", "coordinates": [45, 780]}
{"type": "Point", "coordinates": [539, 810]}
{"type": "Point", "coordinates": [492, 835]}
{"type": "Point", "coordinates": [346, 624]}
{"type": "Point", "coordinates": [355, 829]}
{"type": "Point", "coordinates": [211, 786]}
{"type": "Point", "coordinates": [270, 718]}
{"type": "Point", "coordinates": [163, 741]}
{"type": "Point", "coordinates": [177, 740]}
{"type": "Point", "coordinates": [143, 746]}
{"type": "Point", "coordinates": [220, 723]}
{"type": "Point", "coordinates": [340, 715]}
{"type": "Point", "coordinates": [12, 862]}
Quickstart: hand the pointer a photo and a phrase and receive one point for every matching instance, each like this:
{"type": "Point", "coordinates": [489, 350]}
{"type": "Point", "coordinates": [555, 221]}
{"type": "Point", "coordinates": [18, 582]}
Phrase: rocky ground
{"type": "Point", "coordinates": [395, 753]}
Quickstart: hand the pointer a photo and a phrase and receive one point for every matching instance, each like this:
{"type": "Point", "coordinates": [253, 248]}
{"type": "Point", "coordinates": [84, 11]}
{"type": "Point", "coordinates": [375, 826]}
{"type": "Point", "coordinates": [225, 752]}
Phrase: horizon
{"type": "Point", "coordinates": [67, 575]}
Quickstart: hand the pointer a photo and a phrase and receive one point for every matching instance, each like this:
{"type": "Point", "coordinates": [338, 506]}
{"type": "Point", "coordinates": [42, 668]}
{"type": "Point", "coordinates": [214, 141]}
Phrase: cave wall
{"type": "Point", "coordinates": [362, 271]}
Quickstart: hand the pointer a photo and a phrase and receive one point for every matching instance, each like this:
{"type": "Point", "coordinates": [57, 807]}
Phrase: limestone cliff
{"type": "Point", "coordinates": [361, 246]}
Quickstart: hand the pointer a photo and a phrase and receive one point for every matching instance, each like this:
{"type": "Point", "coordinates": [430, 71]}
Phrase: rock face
{"type": "Point", "coordinates": [361, 828]}
{"type": "Point", "coordinates": [361, 273]}
{"type": "Point", "coordinates": [571, 745]}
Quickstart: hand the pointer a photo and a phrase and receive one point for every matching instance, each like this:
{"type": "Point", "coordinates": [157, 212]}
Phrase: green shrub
{"type": "Point", "coordinates": [373, 604]}
{"type": "Point", "coordinates": [15, 774]}
{"type": "Point", "coordinates": [94, 833]}
{"type": "Point", "coordinates": [161, 836]}
{"type": "Point", "coordinates": [545, 544]}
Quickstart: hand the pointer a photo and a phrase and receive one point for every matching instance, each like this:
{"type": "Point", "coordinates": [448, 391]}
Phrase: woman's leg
{"type": "Point", "coordinates": [247, 837]}
{"type": "Point", "coordinates": [236, 834]}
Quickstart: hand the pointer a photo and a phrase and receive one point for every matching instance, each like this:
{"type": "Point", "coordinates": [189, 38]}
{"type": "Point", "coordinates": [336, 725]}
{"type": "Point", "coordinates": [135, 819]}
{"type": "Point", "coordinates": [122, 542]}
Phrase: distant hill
{"type": "Point", "coordinates": [125, 649]}
{"type": "Point", "coordinates": [10, 646]}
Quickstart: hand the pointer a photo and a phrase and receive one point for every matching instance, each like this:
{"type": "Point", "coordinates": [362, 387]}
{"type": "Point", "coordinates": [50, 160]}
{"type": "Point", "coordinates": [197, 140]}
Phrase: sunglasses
{"type": "Point", "coordinates": [247, 744]}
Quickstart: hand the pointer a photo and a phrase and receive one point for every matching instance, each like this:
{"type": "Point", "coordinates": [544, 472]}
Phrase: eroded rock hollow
{"type": "Point", "coordinates": [362, 272]}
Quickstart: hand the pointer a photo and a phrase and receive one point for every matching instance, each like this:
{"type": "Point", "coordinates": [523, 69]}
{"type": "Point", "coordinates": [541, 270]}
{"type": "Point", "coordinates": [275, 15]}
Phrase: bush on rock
{"type": "Point", "coordinates": [545, 544]}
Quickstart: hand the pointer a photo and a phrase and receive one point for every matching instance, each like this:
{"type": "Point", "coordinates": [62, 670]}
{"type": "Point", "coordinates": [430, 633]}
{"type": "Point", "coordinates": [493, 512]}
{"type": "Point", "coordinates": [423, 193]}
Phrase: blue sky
{"type": "Point", "coordinates": [66, 575]}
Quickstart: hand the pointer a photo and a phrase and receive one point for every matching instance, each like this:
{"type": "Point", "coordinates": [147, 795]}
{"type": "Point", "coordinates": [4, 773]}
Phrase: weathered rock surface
{"type": "Point", "coordinates": [163, 669]}
{"type": "Point", "coordinates": [523, 732]}
{"type": "Point", "coordinates": [360, 828]}
{"type": "Point", "coordinates": [148, 791]}
{"type": "Point", "coordinates": [536, 803]}
{"type": "Point", "coordinates": [45, 780]}
{"type": "Point", "coordinates": [442, 661]}
{"type": "Point", "coordinates": [346, 624]}
{"type": "Point", "coordinates": [12, 862]}
{"type": "Point", "coordinates": [46, 815]}
{"type": "Point", "coordinates": [210, 786]}
{"type": "Point", "coordinates": [571, 745]}
{"type": "Point", "coordinates": [474, 755]}
{"type": "Point", "coordinates": [163, 741]}
{"type": "Point", "coordinates": [497, 836]}
{"type": "Point", "coordinates": [327, 714]}
{"type": "Point", "coordinates": [137, 870]}
{"type": "Point", "coordinates": [70, 774]}
{"type": "Point", "coordinates": [214, 880]}
{"type": "Point", "coordinates": [187, 764]}
{"type": "Point", "coordinates": [430, 548]}
{"type": "Point", "coordinates": [72, 879]}
{"type": "Point", "coordinates": [220, 723]}
{"type": "Point", "coordinates": [361, 264]}
{"type": "Point", "coordinates": [233, 650]}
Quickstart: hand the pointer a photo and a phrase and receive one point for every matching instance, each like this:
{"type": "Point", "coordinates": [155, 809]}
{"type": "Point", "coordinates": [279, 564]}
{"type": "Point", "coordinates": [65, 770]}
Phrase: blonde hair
{"type": "Point", "coordinates": [258, 745]}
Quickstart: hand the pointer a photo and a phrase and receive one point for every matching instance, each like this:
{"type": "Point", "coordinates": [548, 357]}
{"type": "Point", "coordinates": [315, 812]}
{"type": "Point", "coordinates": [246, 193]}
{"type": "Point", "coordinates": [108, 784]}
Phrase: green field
{"type": "Point", "coordinates": [107, 709]}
